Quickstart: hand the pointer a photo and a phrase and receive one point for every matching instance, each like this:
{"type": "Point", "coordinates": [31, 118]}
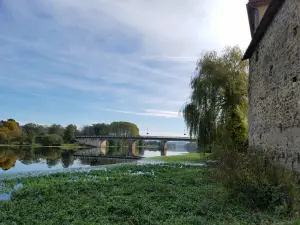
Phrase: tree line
{"type": "Point", "coordinates": [12, 132]}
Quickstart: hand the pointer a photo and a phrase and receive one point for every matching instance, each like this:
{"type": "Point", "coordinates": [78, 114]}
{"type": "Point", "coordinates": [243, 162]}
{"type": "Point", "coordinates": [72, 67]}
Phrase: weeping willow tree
{"type": "Point", "coordinates": [217, 109]}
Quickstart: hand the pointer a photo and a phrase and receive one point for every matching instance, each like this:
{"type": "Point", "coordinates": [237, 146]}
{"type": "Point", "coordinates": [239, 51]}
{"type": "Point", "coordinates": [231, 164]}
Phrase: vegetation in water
{"type": "Point", "coordinates": [160, 194]}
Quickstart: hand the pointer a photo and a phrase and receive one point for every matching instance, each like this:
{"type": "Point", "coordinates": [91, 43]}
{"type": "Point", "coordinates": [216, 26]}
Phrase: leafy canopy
{"type": "Point", "coordinates": [217, 109]}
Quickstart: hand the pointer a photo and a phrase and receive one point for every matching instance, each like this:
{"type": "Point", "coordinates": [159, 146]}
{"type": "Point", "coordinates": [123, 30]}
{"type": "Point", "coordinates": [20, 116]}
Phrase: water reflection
{"type": "Point", "coordinates": [16, 160]}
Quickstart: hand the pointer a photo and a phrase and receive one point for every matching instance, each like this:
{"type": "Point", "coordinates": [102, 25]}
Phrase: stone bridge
{"type": "Point", "coordinates": [101, 141]}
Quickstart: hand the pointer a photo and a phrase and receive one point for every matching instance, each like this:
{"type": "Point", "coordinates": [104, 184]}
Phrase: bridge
{"type": "Point", "coordinates": [101, 141]}
{"type": "Point", "coordinates": [148, 138]}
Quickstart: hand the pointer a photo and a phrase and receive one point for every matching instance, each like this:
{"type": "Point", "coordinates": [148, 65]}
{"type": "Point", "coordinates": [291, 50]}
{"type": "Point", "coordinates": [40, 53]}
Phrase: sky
{"type": "Point", "coordinates": [99, 61]}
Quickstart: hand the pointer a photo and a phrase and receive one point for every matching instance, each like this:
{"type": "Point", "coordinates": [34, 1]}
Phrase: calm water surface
{"type": "Point", "coordinates": [20, 160]}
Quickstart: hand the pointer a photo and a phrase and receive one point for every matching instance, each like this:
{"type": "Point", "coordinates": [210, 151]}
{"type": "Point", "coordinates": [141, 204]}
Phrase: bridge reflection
{"type": "Point", "coordinates": [120, 152]}
{"type": "Point", "coordinates": [110, 152]}
{"type": "Point", "coordinates": [131, 142]}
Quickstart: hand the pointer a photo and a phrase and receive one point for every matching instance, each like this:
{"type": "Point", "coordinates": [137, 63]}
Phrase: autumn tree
{"type": "Point", "coordinates": [11, 128]}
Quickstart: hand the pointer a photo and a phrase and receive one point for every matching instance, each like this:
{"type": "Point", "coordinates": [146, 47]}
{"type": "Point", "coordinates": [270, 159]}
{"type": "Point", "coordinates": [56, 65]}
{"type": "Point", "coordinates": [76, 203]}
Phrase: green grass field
{"type": "Point", "coordinates": [190, 157]}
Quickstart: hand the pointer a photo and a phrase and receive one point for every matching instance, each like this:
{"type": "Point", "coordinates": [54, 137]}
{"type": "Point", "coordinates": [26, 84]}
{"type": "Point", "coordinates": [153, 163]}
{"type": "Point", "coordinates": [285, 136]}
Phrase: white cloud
{"type": "Point", "coordinates": [161, 133]}
{"type": "Point", "coordinates": [140, 53]}
{"type": "Point", "coordinates": [150, 112]}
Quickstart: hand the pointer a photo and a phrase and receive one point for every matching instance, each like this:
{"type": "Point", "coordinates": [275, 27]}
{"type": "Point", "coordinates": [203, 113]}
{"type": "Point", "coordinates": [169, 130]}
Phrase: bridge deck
{"type": "Point", "coordinates": [156, 138]}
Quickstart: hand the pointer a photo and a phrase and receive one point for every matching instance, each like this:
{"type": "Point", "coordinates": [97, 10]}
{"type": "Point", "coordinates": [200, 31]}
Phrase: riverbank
{"type": "Point", "coordinates": [184, 158]}
{"type": "Point", "coordinates": [63, 146]}
{"type": "Point", "coordinates": [129, 194]}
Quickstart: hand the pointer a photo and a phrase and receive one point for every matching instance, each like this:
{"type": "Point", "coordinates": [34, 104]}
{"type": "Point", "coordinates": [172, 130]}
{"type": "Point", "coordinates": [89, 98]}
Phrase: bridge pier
{"type": "Point", "coordinates": [132, 148]}
{"type": "Point", "coordinates": [163, 147]}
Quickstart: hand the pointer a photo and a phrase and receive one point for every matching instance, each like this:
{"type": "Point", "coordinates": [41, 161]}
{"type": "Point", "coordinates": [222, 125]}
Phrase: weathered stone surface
{"type": "Point", "coordinates": [274, 91]}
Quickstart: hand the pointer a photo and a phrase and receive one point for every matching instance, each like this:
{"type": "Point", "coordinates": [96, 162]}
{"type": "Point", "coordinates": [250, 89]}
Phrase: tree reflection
{"type": "Point", "coordinates": [67, 158]}
{"type": "Point", "coordinates": [117, 151]}
{"type": "Point", "coordinates": [7, 159]}
{"type": "Point", "coordinates": [29, 156]}
{"type": "Point", "coordinates": [52, 155]}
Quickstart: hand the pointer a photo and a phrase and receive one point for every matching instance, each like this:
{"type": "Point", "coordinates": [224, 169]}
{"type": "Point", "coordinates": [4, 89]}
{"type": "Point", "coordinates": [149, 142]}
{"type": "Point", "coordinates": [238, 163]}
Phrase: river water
{"type": "Point", "coordinates": [20, 160]}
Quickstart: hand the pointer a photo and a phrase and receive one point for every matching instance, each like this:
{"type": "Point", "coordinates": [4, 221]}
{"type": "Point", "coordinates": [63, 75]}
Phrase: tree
{"type": "Point", "coordinates": [124, 129]}
{"type": "Point", "coordinates": [88, 131]}
{"type": "Point", "coordinates": [217, 109]}
{"type": "Point", "coordinates": [31, 128]}
{"type": "Point", "coordinates": [11, 129]}
{"type": "Point", "coordinates": [101, 129]}
{"type": "Point", "coordinates": [69, 134]}
{"type": "Point", "coordinates": [56, 129]}
{"type": "Point", "coordinates": [52, 140]}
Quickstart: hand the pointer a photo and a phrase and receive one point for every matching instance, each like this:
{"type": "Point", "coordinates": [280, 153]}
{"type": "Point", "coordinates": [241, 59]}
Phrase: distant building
{"type": "Point", "coordinates": [274, 74]}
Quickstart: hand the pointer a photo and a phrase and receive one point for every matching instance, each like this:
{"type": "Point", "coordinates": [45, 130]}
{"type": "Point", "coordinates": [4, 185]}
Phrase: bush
{"type": "Point", "coordinates": [3, 138]}
{"type": "Point", "coordinates": [22, 138]}
{"type": "Point", "coordinates": [258, 181]}
{"type": "Point", "coordinates": [52, 140]}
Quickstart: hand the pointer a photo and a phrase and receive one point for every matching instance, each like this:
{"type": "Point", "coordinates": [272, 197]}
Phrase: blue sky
{"type": "Point", "coordinates": [83, 62]}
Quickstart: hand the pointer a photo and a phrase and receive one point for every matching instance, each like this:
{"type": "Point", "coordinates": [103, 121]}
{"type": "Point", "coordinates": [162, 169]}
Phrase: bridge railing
{"type": "Point", "coordinates": [87, 136]}
{"type": "Point", "coordinates": [139, 137]}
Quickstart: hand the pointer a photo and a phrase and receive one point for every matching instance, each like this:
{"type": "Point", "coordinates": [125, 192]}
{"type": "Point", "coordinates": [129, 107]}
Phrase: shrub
{"type": "Point", "coordinates": [52, 140]}
{"type": "Point", "coordinates": [257, 180]}
{"type": "Point", "coordinates": [22, 138]}
{"type": "Point", "coordinates": [3, 138]}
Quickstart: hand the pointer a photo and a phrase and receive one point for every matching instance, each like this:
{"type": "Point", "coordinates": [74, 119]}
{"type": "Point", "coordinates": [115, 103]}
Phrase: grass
{"type": "Point", "coordinates": [189, 157]}
{"type": "Point", "coordinates": [130, 194]}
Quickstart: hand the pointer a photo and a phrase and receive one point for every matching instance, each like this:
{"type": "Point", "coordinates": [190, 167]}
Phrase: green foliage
{"type": "Point", "coordinates": [69, 133]}
{"type": "Point", "coordinates": [160, 194]}
{"type": "Point", "coordinates": [22, 139]}
{"type": "Point", "coordinates": [3, 138]}
{"type": "Point", "coordinates": [52, 140]}
{"type": "Point", "coordinates": [56, 129]}
{"type": "Point", "coordinates": [123, 129]}
{"type": "Point", "coordinates": [217, 109]}
{"type": "Point", "coordinates": [101, 129]}
{"type": "Point", "coordinates": [258, 181]}
{"type": "Point", "coordinates": [31, 128]}
{"type": "Point", "coordinates": [115, 128]}
{"type": "Point", "coordinates": [190, 157]}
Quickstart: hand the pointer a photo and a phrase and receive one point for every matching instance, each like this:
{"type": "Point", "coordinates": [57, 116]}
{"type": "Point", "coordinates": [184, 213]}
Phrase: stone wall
{"type": "Point", "coordinates": [274, 88]}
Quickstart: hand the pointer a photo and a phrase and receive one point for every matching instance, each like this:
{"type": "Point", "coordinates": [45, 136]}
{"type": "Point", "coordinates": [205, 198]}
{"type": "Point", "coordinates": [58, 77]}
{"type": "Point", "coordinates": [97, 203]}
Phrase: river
{"type": "Point", "coordinates": [20, 160]}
